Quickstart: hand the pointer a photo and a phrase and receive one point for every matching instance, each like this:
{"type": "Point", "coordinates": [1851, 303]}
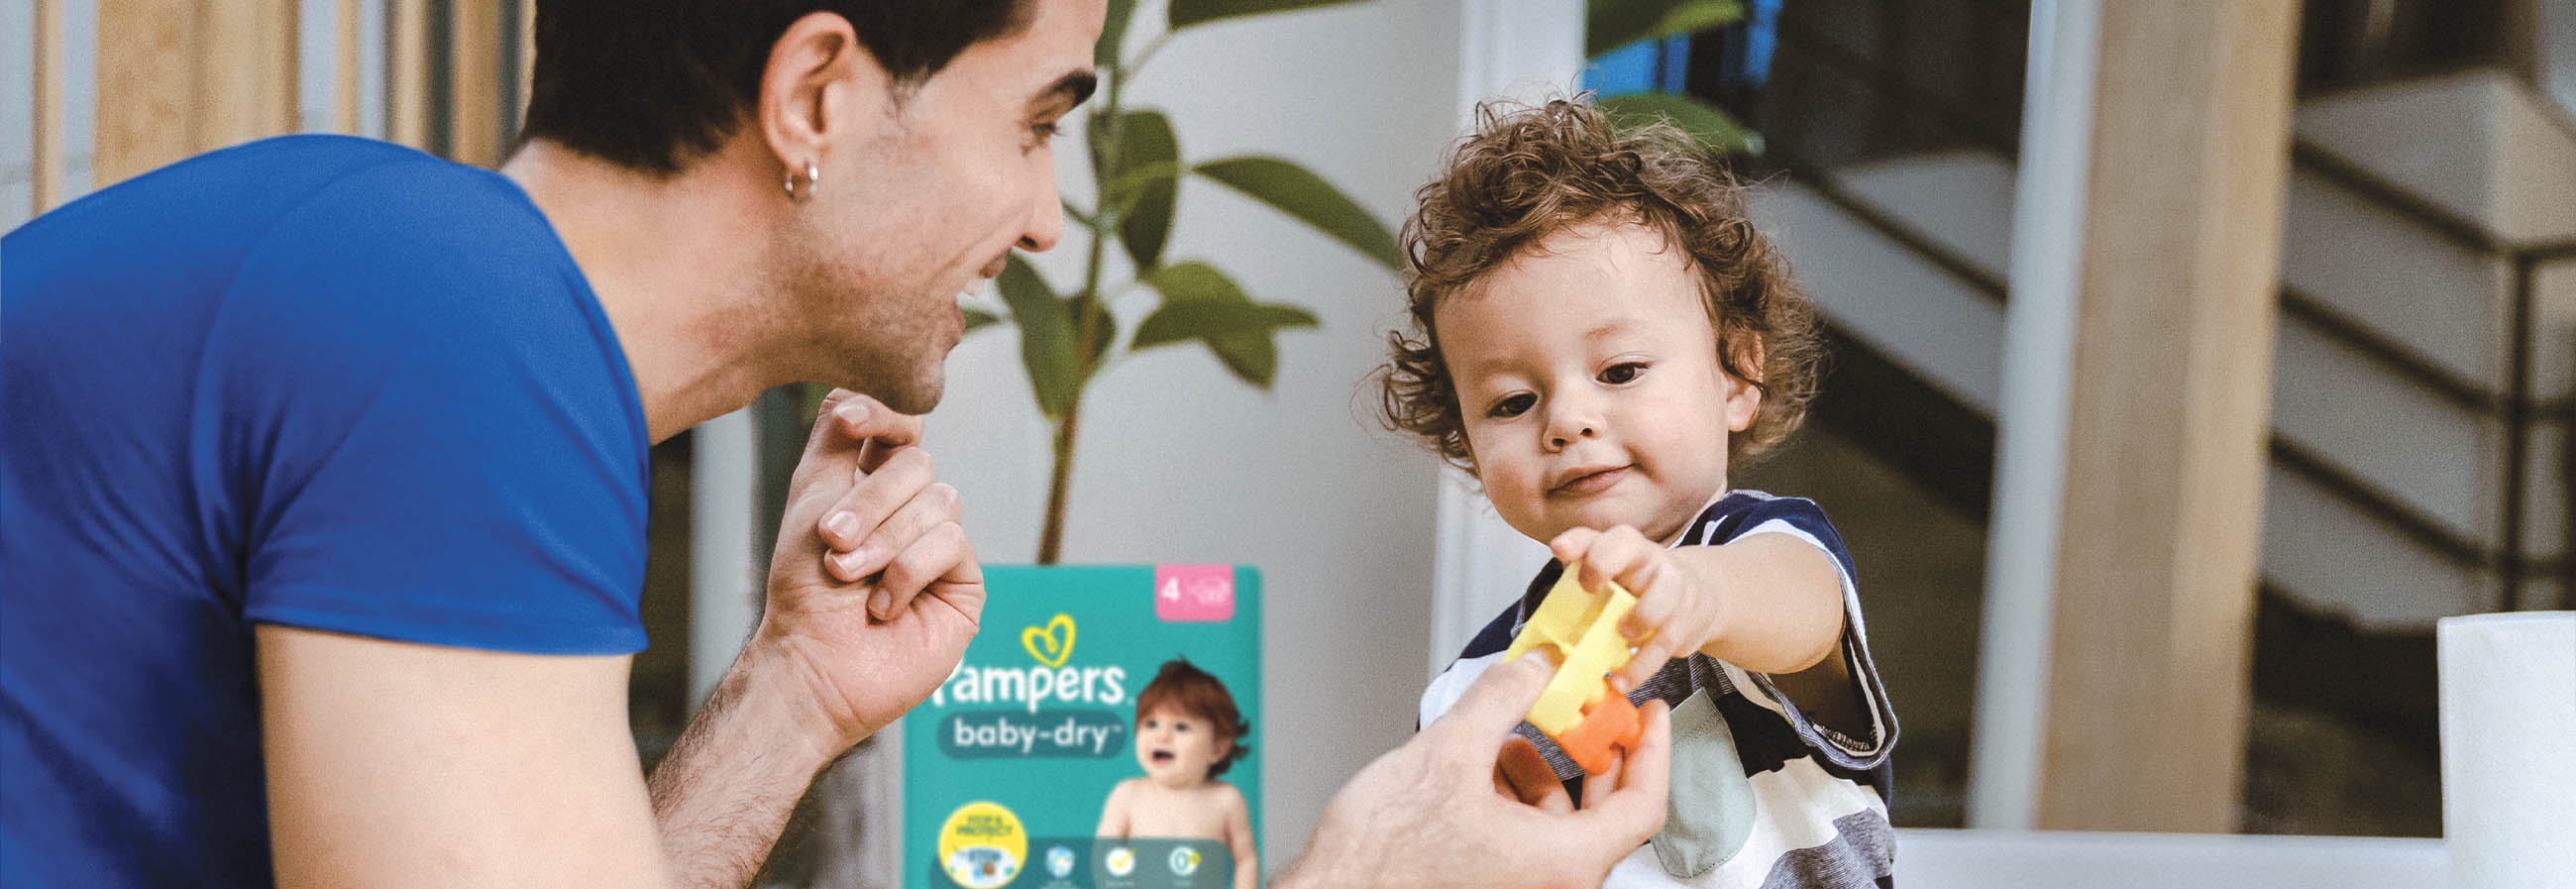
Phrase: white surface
{"type": "Point", "coordinates": [1989, 859]}
{"type": "Point", "coordinates": [724, 497]}
{"type": "Point", "coordinates": [2032, 422]}
{"type": "Point", "coordinates": [2508, 684]}
{"type": "Point", "coordinates": [1180, 462]}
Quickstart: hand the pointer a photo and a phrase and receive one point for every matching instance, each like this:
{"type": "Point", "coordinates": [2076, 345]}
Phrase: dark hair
{"type": "Point", "coordinates": [1527, 173]}
{"type": "Point", "coordinates": [1188, 689]}
{"type": "Point", "coordinates": [652, 85]}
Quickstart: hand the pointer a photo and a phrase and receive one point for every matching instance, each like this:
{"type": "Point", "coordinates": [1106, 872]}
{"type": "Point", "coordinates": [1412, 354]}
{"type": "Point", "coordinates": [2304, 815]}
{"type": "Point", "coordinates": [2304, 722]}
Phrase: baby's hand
{"type": "Point", "coordinates": [1675, 614]}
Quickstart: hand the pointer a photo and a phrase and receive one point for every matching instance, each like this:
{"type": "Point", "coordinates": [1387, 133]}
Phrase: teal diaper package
{"type": "Point", "coordinates": [1102, 732]}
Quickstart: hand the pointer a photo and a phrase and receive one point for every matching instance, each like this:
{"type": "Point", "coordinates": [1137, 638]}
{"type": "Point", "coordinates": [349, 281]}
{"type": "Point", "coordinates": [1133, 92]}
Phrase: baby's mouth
{"type": "Point", "coordinates": [1589, 480]}
{"type": "Point", "coordinates": [1161, 757]}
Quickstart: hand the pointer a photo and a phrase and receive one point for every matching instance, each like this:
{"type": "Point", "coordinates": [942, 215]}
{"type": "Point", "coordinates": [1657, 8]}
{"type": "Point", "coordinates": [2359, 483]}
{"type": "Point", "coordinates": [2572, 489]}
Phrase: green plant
{"type": "Point", "coordinates": [1066, 339]}
{"type": "Point", "coordinates": [1610, 24]}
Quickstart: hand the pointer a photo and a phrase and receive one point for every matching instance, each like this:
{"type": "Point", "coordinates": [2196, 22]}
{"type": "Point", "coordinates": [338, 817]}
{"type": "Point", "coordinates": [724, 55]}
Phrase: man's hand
{"type": "Point", "coordinates": [1676, 612]}
{"type": "Point", "coordinates": [1437, 812]}
{"type": "Point", "coordinates": [822, 672]}
{"type": "Point", "coordinates": [879, 625]}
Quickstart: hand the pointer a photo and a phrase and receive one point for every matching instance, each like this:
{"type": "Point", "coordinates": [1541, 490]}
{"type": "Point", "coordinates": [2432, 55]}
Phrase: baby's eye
{"type": "Point", "coordinates": [1623, 372]}
{"type": "Point", "coordinates": [1513, 406]}
{"type": "Point", "coordinates": [1181, 727]}
{"type": "Point", "coordinates": [1153, 723]}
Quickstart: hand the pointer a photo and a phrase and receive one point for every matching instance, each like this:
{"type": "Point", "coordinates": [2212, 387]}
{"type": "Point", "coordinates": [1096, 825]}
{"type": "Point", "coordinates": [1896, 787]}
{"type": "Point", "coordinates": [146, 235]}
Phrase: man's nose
{"type": "Point", "coordinates": [1045, 225]}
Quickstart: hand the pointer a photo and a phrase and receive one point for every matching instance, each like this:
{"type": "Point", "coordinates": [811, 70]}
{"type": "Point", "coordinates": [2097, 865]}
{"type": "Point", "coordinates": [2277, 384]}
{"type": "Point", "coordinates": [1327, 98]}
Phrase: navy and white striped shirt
{"type": "Point", "coordinates": [1762, 796]}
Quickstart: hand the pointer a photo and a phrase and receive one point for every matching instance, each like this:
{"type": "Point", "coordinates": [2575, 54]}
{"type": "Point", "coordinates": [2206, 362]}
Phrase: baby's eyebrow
{"type": "Point", "coordinates": [1608, 330]}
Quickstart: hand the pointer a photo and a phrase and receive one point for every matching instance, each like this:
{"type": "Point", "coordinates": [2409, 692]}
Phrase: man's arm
{"type": "Point", "coordinates": [392, 764]}
{"type": "Point", "coordinates": [397, 764]}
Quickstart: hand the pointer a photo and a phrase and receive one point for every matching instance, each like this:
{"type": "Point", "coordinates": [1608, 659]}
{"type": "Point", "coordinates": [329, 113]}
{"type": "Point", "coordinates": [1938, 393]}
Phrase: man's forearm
{"type": "Point", "coordinates": [724, 792]}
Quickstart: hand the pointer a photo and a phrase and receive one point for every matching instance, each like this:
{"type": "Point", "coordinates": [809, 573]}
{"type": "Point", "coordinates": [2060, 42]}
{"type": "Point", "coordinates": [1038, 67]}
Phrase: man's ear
{"type": "Point", "coordinates": [820, 83]}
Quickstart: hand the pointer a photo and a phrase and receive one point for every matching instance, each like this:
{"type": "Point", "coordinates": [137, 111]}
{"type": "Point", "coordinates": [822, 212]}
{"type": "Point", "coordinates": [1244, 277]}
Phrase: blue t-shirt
{"type": "Point", "coordinates": [314, 381]}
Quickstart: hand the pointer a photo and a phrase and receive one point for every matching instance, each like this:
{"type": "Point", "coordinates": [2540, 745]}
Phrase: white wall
{"type": "Point", "coordinates": [1179, 462]}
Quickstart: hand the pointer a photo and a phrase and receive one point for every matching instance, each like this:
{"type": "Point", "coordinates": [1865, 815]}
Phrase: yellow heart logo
{"type": "Point", "coordinates": [1052, 645]}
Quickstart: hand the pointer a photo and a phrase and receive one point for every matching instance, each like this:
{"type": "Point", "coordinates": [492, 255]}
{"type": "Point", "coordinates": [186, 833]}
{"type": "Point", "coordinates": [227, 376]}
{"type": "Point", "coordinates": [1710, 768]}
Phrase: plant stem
{"type": "Point", "coordinates": [1051, 540]}
{"type": "Point", "coordinates": [1086, 310]}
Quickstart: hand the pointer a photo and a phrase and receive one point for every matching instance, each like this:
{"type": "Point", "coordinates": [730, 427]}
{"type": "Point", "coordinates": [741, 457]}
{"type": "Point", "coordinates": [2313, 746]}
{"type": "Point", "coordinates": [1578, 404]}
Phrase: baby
{"type": "Point", "coordinates": [1598, 333]}
{"type": "Point", "coordinates": [1187, 732]}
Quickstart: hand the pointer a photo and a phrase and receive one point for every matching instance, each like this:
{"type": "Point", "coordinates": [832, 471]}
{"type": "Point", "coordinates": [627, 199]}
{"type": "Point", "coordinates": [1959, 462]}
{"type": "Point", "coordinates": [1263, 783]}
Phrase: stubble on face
{"type": "Point", "coordinates": [885, 345]}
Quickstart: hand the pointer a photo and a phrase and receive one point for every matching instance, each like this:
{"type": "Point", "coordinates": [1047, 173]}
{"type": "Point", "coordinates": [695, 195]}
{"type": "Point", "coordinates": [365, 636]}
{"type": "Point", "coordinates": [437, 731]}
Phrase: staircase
{"type": "Point", "coordinates": [2425, 357]}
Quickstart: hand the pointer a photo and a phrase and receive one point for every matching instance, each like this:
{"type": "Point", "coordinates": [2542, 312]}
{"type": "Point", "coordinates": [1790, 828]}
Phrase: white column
{"type": "Point", "coordinates": [2032, 420]}
{"type": "Point", "coordinates": [1528, 50]}
{"type": "Point", "coordinates": [724, 497]}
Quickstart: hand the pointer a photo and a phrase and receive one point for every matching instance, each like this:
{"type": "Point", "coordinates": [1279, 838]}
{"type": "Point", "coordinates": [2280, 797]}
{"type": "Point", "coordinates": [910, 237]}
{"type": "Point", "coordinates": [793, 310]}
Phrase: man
{"type": "Point", "coordinates": [323, 469]}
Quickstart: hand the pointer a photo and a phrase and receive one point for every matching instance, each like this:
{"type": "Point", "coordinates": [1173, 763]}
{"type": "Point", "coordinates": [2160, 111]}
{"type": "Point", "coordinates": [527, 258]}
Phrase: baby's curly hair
{"type": "Point", "coordinates": [1530, 172]}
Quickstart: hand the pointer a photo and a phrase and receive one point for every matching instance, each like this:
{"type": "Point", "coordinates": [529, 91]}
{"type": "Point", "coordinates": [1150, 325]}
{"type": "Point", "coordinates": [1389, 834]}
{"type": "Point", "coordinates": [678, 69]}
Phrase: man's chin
{"type": "Point", "coordinates": [916, 399]}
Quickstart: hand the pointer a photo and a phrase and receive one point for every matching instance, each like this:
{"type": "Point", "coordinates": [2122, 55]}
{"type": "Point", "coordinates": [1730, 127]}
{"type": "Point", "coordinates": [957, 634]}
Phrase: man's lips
{"type": "Point", "coordinates": [1587, 480]}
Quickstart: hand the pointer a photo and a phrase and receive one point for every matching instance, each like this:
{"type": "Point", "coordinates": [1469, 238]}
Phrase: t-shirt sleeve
{"type": "Point", "coordinates": [427, 426]}
{"type": "Point", "coordinates": [1802, 519]}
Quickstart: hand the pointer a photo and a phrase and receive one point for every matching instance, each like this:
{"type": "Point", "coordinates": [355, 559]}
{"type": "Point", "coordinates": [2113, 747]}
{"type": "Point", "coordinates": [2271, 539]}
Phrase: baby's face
{"type": "Point", "coordinates": [1588, 379]}
{"type": "Point", "coordinates": [1177, 748]}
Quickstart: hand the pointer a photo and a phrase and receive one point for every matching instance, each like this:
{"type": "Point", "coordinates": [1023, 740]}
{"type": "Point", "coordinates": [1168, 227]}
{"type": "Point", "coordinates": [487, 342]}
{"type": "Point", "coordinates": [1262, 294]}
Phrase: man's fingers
{"type": "Point", "coordinates": [876, 498]}
{"type": "Point", "coordinates": [1526, 776]}
{"type": "Point", "coordinates": [1490, 707]}
{"type": "Point", "coordinates": [934, 505]}
{"type": "Point", "coordinates": [859, 418]}
{"type": "Point", "coordinates": [928, 559]}
{"type": "Point", "coordinates": [1634, 808]}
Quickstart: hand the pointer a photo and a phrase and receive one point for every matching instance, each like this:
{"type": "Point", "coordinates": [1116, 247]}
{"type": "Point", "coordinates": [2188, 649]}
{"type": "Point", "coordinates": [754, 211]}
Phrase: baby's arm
{"type": "Point", "coordinates": [1113, 814]}
{"type": "Point", "coordinates": [1238, 838]}
{"type": "Point", "coordinates": [1769, 603]}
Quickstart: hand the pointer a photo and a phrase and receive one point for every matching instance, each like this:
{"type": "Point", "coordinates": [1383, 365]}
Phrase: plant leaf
{"type": "Point", "coordinates": [1294, 190]}
{"type": "Point", "coordinates": [1610, 24]}
{"type": "Point", "coordinates": [1711, 126]}
{"type": "Point", "coordinates": [1216, 319]}
{"type": "Point", "coordinates": [1253, 358]}
{"type": "Point", "coordinates": [1184, 13]}
{"type": "Point", "coordinates": [1144, 139]}
{"type": "Point", "coordinates": [1202, 304]}
{"type": "Point", "coordinates": [1046, 335]}
{"type": "Point", "coordinates": [1113, 35]}
{"type": "Point", "coordinates": [976, 318]}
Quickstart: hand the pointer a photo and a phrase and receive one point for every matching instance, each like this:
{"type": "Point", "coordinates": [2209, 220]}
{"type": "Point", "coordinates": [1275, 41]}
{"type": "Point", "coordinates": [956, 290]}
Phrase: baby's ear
{"type": "Point", "coordinates": [1743, 394]}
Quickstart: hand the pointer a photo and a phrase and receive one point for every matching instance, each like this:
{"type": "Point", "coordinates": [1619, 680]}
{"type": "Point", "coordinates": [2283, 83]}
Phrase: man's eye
{"type": "Point", "coordinates": [1514, 406]}
{"type": "Point", "coordinates": [1623, 372]}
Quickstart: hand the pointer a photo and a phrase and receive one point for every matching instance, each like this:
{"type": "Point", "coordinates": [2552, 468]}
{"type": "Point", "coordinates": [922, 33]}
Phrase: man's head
{"type": "Point", "coordinates": [893, 152]}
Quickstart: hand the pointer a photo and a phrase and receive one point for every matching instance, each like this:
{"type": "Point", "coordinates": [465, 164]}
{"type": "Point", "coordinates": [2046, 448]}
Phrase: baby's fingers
{"type": "Point", "coordinates": [1571, 546]}
{"type": "Point", "coordinates": [1650, 658]}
